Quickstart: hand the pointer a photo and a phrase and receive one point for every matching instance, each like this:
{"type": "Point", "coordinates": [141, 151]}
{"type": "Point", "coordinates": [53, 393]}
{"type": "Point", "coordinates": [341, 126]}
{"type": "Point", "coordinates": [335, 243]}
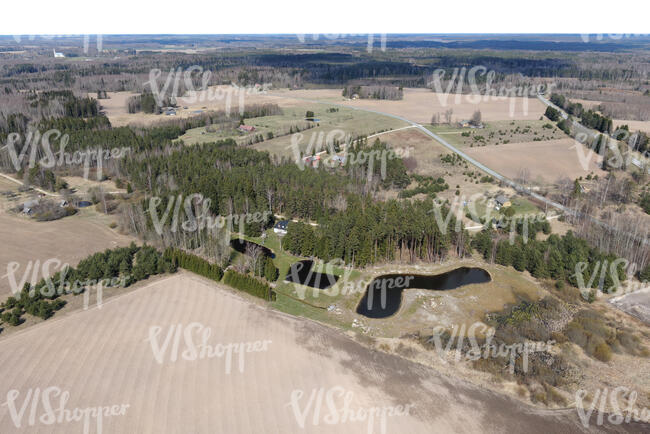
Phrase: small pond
{"type": "Point", "coordinates": [301, 272]}
{"type": "Point", "coordinates": [83, 203]}
{"type": "Point", "coordinates": [383, 295]}
{"type": "Point", "coordinates": [241, 245]}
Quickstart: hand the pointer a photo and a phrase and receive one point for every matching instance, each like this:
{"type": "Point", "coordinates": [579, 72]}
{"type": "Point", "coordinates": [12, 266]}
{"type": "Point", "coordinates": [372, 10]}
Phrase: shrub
{"type": "Point", "coordinates": [602, 352]}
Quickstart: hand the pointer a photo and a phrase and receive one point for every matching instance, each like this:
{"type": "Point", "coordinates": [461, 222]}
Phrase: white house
{"type": "Point", "coordinates": [59, 55]}
{"type": "Point", "coordinates": [280, 227]}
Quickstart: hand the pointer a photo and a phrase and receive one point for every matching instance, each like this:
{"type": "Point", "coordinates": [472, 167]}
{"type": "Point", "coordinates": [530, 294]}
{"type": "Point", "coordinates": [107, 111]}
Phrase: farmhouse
{"type": "Point", "coordinates": [246, 128]}
{"type": "Point", "coordinates": [280, 227]}
{"type": "Point", "coordinates": [502, 202]}
{"type": "Point", "coordinates": [312, 160]}
{"type": "Point", "coordinates": [57, 55]}
{"type": "Point", "coordinates": [339, 159]}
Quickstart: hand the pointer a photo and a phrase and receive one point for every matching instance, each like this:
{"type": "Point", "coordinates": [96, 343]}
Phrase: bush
{"type": "Point", "coordinates": [602, 352]}
{"type": "Point", "coordinates": [270, 271]}
{"type": "Point", "coordinates": [552, 114]}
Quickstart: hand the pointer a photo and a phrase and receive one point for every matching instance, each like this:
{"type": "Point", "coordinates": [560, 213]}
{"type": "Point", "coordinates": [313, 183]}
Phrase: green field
{"type": "Point", "coordinates": [338, 124]}
{"type": "Point", "coordinates": [519, 204]}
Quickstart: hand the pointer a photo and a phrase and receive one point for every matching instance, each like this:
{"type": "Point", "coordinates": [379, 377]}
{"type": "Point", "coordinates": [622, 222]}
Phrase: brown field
{"type": "Point", "coordinates": [634, 125]}
{"type": "Point", "coordinates": [103, 358]}
{"type": "Point", "coordinates": [545, 161]}
{"type": "Point", "coordinates": [418, 104]}
{"type": "Point", "coordinates": [69, 240]}
{"type": "Point", "coordinates": [215, 98]}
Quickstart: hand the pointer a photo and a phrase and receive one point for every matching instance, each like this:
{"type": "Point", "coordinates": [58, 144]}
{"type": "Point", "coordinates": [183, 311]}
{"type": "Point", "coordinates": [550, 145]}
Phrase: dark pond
{"type": "Point", "coordinates": [383, 296]}
{"type": "Point", "coordinates": [83, 204]}
{"type": "Point", "coordinates": [240, 246]}
{"type": "Point", "coordinates": [301, 272]}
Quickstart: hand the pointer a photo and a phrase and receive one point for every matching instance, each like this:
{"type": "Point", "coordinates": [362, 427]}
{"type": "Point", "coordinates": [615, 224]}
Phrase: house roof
{"type": "Point", "coordinates": [501, 199]}
{"type": "Point", "coordinates": [247, 127]}
{"type": "Point", "coordinates": [282, 224]}
{"type": "Point", "coordinates": [30, 203]}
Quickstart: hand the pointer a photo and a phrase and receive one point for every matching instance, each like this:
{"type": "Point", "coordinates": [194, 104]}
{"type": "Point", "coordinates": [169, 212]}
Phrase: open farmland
{"type": "Point", "coordinates": [333, 124]}
{"type": "Point", "coordinates": [68, 240]}
{"type": "Point", "coordinates": [109, 360]}
{"type": "Point", "coordinates": [419, 105]}
{"type": "Point", "coordinates": [633, 125]}
{"type": "Point", "coordinates": [542, 162]}
{"type": "Point", "coordinates": [215, 98]}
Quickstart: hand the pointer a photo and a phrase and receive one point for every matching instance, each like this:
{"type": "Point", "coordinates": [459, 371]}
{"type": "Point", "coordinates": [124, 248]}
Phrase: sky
{"type": "Point", "coordinates": [52, 17]}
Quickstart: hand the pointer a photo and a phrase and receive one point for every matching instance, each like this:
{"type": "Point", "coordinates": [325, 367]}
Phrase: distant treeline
{"type": "Point", "coordinates": [374, 92]}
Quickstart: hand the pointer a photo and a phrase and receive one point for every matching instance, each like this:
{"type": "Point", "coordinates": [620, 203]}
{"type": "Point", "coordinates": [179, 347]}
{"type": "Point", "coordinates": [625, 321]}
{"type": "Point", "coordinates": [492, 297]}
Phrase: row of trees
{"type": "Point", "coordinates": [193, 263]}
{"type": "Point", "coordinates": [249, 284]}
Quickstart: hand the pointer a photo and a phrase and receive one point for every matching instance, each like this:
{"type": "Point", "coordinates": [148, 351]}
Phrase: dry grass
{"type": "Point", "coordinates": [420, 105]}
{"type": "Point", "coordinates": [634, 125]}
{"type": "Point", "coordinates": [546, 161]}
